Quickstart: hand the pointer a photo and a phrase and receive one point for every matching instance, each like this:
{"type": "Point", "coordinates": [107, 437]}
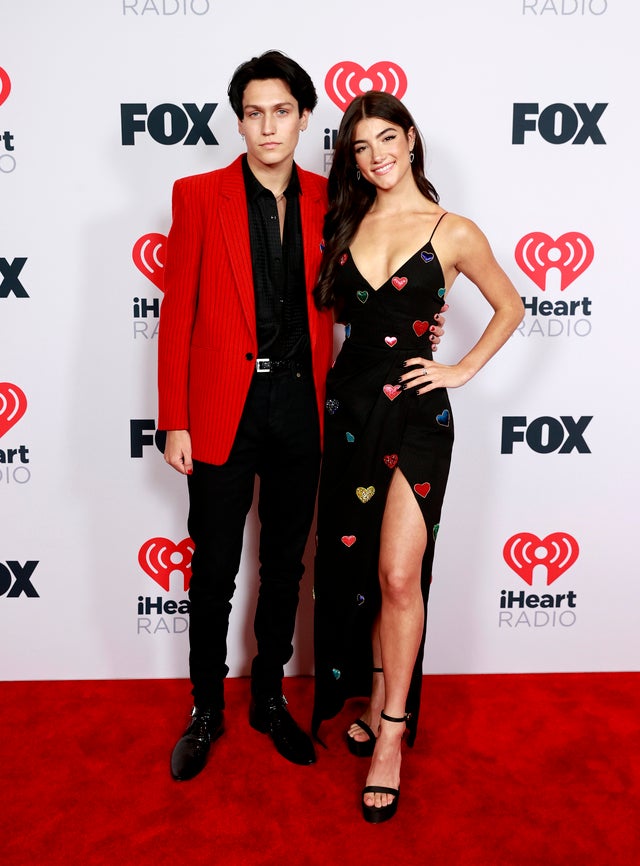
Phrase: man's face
{"type": "Point", "coordinates": [271, 123]}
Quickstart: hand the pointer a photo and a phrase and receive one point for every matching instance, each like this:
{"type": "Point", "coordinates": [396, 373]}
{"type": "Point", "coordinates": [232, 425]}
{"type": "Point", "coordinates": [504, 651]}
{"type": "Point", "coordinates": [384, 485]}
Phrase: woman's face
{"type": "Point", "coordinates": [381, 150]}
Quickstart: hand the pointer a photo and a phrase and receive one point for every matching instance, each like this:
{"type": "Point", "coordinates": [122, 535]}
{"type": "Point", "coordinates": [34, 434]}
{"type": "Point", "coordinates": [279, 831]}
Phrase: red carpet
{"type": "Point", "coordinates": [507, 770]}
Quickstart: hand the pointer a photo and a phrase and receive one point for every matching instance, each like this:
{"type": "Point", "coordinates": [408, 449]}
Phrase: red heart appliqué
{"type": "Point", "coordinates": [420, 328]}
{"type": "Point", "coordinates": [523, 551]}
{"type": "Point", "coordinates": [159, 557]}
{"type": "Point", "coordinates": [422, 489]}
{"type": "Point", "coordinates": [537, 252]}
{"type": "Point", "coordinates": [13, 405]}
{"type": "Point", "coordinates": [148, 256]}
{"type": "Point", "coordinates": [346, 80]}
{"type": "Point", "coordinates": [392, 391]}
{"type": "Point", "coordinates": [390, 460]}
{"type": "Point", "coordinates": [399, 283]}
{"type": "Point", "coordinates": [348, 540]}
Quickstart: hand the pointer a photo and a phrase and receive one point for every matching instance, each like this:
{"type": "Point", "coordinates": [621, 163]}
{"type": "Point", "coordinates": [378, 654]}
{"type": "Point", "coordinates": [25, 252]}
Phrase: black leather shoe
{"type": "Point", "coordinates": [270, 716]}
{"type": "Point", "coordinates": [190, 753]}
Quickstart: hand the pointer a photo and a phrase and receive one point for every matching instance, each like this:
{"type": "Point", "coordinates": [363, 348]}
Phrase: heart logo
{"type": "Point", "coordinates": [346, 80]}
{"type": "Point", "coordinates": [426, 257]}
{"type": "Point", "coordinates": [420, 328]}
{"type": "Point", "coordinates": [160, 557]}
{"type": "Point", "coordinates": [392, 391]}
{"type": "Point", "coordinates": [422, 489]}
{"type": "Point", "coordinates": [347, 331]}
{"type": "Point", "coordinates": [13, 405]}
{"type": "Point", "coordinates": [436, 529]}
{"type": "Point", "coordinates": [390, 460]}
{"type": "Point", "coordinates": [524, 551]}
{"type": "Point", "coordinates": [443, 418]}
{"type": "Point", "coordinates": [362, 296]}
{"type": "Point", "coordinates": [537, 252]}
{"type": "Point", "coordinates": [348, 540]}
{"type": "Point", "coordinates": [350, 437]}
{"type": "Point", "coordinates": [441, 293]}
{"type": "Point", "coordinates": [364, 494]}
{"type": "Point", "coordinates": [148, 256]}
{"type": "Point", "coordinates": [391, 341]}
{"type": "Point", "coordinates": [399, 283]}
{"type": "Point", "coordinates": [5, 85]}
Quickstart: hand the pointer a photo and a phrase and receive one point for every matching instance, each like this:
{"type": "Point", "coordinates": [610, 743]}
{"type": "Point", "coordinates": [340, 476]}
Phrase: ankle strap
{"type": "Point", "coordinates": [393, 718]}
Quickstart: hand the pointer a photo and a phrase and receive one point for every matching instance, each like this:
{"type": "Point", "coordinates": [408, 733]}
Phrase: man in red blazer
{"type": "Point", "coordinates": [243, 356]}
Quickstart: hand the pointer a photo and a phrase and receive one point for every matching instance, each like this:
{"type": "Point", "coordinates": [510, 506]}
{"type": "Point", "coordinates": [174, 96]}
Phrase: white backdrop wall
{"type": "Point", "coordinates": [529, 117]}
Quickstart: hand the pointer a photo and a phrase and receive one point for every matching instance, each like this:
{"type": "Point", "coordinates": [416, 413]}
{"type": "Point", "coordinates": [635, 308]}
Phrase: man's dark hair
{"type": "Point", "coordinates": [273, 64]}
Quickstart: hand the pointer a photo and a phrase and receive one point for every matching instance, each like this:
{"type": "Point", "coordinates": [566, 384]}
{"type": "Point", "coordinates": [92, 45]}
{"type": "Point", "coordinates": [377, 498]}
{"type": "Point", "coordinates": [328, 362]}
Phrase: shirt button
{"type": "Point", "coordinates": [249, 356]}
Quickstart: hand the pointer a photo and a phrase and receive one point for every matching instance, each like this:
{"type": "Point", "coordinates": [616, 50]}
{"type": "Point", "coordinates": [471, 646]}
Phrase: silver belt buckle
{"type": "Point", "coordinates": [263, 365]}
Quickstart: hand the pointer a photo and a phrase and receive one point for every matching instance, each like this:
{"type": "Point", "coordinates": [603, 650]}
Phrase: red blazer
{"type": "Point", "coordinates": [207, 339]}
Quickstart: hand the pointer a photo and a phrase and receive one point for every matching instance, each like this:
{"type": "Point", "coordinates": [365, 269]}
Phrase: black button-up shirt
{"type": "Point", "coordinates": [278, 270]}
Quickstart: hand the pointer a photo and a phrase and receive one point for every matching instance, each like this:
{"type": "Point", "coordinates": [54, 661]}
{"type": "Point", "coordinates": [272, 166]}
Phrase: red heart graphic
{"type": "Point", "coordinates": [523, 551]}
{"type": "Point", "coordinates": [159, 557]}
{"type": "Point", "coordinates": [420, 328]}
{"type": "Point", "coordinates": [346, 80]}
{"type": "Point", "coordinates": [392, 391]}
{"type": "Point", "coordinates": [537, 252]}
{"type": "Point", "coordinates": [391, 341]}
{"type": "Point", "coordinates": [422, 489]}
{"type": "Point", "coordinates": [348, 540]}
{"type": "Point", "coordinates": [5, 85]}
{"type": "Point", "coordinates": [390, 460]}
{"type": "Point", "coordinates": [399, 283]}
{"type": "Point", "coordinates": [148, 256]}
{"type": "Point", "coordinates": [13, 405]}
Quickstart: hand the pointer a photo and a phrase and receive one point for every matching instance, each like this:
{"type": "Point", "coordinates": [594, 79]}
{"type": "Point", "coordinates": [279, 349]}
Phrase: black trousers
{"type": "Point", "coordinates": [277, 440]}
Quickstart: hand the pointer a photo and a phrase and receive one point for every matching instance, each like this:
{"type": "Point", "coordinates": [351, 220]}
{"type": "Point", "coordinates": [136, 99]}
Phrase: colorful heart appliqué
{"type": "Point", "coordinates": [332, 405]}
{"type": "Point", "coordinates": [399, 283]}
{"type": "Point", "coordinates": [362, 296]}
{"type": "Point", "coordinates": [392, 391]}
{"type": "Point", "coordinates": [365, 494]}
{"type": "Point", "coordinates": [422, 489]}
{"type": "Point", "coordinates": [390, 460]}
{"type": "Point", "coordinates": [348, 540]}
{"type": "Point", "coordinates": [391, 341]}
{"type": "Point", "coordinates": [443, 418]}
{"type": "Point", "coordinates": [350, 437]}
{"type": "Point", "coordinates": [420, 328]}
{"type": "Point", "coordinates": [426, 257]}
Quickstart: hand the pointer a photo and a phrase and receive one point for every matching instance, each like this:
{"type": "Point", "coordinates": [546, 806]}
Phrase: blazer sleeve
{"type": "Point", "coordinates": [179, 305]}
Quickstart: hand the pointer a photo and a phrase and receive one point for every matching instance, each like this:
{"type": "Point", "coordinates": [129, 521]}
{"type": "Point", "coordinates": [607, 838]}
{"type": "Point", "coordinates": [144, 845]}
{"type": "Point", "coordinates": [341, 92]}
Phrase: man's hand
{"type": "Point", "coordinates": [177, 451]}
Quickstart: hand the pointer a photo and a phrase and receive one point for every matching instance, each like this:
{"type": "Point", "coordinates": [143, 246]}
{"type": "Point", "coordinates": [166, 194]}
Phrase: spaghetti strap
{"type": "Point", "coordinates": [436, 226]}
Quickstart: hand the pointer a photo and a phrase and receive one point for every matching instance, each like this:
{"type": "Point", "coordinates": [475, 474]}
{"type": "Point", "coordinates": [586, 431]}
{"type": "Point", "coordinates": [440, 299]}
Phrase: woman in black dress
{"type": "Point", "coordinates": [391, 256]}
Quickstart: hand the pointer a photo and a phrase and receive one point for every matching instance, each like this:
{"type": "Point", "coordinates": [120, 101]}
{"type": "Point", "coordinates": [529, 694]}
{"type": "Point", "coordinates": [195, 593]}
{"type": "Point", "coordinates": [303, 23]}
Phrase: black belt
{"type": "Point", "coordinates": [267, 365]}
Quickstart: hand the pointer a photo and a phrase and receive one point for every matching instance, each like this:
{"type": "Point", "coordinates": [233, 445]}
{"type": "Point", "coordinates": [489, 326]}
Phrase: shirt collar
{"type": "Point", "coordinates": [255, 189]}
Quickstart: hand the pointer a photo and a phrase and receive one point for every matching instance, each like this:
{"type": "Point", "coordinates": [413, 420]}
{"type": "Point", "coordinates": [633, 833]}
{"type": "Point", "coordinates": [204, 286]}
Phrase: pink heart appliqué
{"type": "Point", "coordinates": [399, 283]}
{"type": "Point", "coordinates": [391, 341]}
{"type": "Point", "coordinates": [392, 391]}
{"type": "Point", "coordinates": [348, 540]}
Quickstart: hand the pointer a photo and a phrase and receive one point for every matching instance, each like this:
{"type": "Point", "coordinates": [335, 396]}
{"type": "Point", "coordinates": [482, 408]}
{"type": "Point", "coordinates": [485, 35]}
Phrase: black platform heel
{"type": "Point", "coordinates": [378, 814]}
{"type": "Point", "coordinates": [363, 748]}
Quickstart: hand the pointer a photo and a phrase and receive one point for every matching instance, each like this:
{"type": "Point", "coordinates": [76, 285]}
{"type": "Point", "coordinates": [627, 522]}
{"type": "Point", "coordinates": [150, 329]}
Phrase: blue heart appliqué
{"type": "Point", "coordinates": [443, 418]}
{"type": "Point", "coordinates": [426, 257]}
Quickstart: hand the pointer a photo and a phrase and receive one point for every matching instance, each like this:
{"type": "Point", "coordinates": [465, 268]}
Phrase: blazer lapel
{"type": "Point", "coordinates": [234, 221]}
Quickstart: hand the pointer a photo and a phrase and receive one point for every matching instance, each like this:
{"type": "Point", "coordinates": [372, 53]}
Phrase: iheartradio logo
{"type": "Point", "coordinates": [13, 405]}
{"type": "Point", "coordinates": [524, 551]}
{"type": "Point", "coordinates": [537, 253]}
{"type": "Point", "coordinates": [148, 256]}
{"type": "Point", "coordinates": [347, 79]}
{"type": "Point", "coordinates": [160, 557]}
{"type": "Point", "coordinates": [5, 86]}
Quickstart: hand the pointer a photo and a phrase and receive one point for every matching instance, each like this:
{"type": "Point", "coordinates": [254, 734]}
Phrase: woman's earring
{"type": "Point", "coordinates": [357, 174]}
{"type": "Point", "coordinates": [411, 156]}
